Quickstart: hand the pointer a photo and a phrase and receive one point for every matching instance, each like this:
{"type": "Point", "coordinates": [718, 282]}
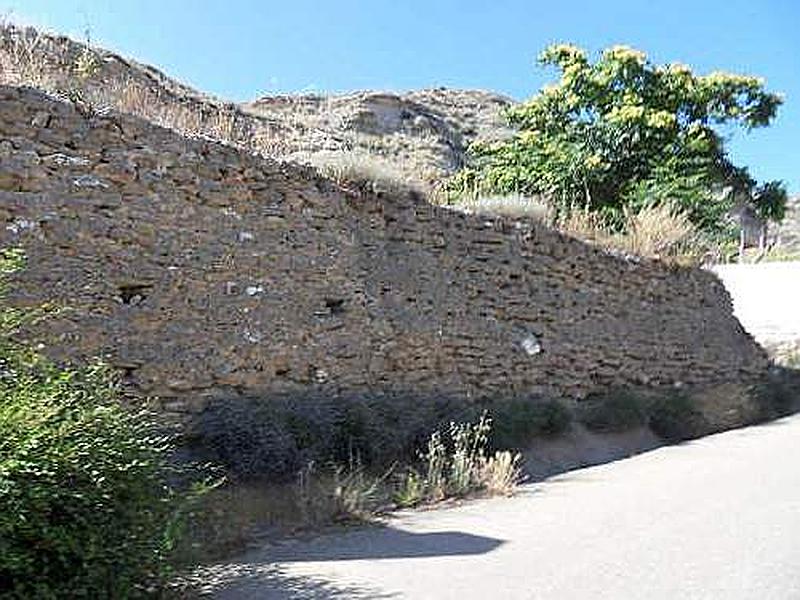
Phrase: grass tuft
{"type": "Point", "coordinates": [455, 464]}
{"type": "Point", "coordinates": [658, 231]}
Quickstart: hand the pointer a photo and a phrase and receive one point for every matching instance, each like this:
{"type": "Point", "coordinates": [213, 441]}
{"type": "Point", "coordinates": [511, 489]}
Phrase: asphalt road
{"type": "Point", "coordinates": [714, 518]}
{"type": "Point", "coordinates": [765, 298]}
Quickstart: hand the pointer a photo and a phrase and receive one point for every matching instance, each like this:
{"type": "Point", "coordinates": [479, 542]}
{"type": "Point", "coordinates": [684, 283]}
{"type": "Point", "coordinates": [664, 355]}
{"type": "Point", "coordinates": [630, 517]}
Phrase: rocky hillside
{"type": "Point", "coordinates": [413, 137]}
{"type": "Point", "coordinates": [422, 134]}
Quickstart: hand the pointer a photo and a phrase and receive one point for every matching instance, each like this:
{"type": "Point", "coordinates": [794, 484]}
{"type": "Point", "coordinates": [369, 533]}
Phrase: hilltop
{"type": "Point", "coordinates": [414, 137]}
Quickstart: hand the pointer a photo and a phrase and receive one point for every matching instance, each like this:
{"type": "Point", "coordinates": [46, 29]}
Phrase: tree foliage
{"type": "Point", "coordinates": [623, 132]}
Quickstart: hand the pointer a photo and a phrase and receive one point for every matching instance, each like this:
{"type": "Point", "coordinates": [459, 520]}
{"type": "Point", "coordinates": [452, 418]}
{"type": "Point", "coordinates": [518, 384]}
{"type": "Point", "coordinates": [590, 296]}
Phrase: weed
{"type": "Point", "coordinates": [434, 457]}
{"type": "Point", "coordinates": [339, 493]}
{"type": "Point", "coordinates": [455, 464]}
{"type": "Point", "coordinates": [500, 474]}
{"type": "Point", "coordinates": [25, 63]}
{"type": "Point", "coordinates": [469, 446]}
{"type": "Point", "coordinates": [86, 64]}
{"type": "Point", "coordinates": [356, 494]}
{"type": "Point", "coordinates": [657, 231]}
{"type": "Point", "coordinates": [410, 489]}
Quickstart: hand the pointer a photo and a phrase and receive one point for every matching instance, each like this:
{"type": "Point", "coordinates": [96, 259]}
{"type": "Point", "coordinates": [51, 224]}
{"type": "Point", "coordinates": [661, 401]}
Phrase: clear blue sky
{"type": "Point", "coordinates": [240, 49]}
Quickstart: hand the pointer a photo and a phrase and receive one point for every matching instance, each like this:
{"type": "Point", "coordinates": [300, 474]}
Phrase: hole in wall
{"type": "Point", "coordinates": [133, 293]}
{"type": "Point", "coordinates": [334, 305]}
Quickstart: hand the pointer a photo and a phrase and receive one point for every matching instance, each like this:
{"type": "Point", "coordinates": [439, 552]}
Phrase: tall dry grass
{"type": "Point", "coordinates": [80, 73]}
{"type": "Point", "coordinates": [659, 231]}
{"type": "Point", "coordinates": [455, 463]}
{"type": "Point", "coordinates": [360, 168]}
{"type": "Point", "coordinates": [656, 232]}
{"type": "Point", "coordinates": [22, 61]}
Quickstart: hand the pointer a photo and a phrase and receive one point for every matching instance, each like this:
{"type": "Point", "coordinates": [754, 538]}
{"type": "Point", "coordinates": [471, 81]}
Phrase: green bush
{"type": "Point", "coordinates": [274, 438]}
{"type": "Point", "coordinates": [674, 418]}
{"type": "Point", "coordinates": [613, 411]}
{"type": "Point", "coordinates": [86, 508]}
{"type": "Point", "coordinates": [518, 421]}
{"type": "Point", "coordinates": [778, 394]}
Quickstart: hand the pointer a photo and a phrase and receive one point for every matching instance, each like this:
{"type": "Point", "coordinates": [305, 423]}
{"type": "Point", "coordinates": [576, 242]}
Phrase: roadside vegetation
{"type": "Point", "coordinates": [91, 504]}
{"type": "Point", "coordinates": [455, 460]}
{"type": "Point", "coordinates": [678, 414]}
{"type": "Point", "coordinates": [455, 463]}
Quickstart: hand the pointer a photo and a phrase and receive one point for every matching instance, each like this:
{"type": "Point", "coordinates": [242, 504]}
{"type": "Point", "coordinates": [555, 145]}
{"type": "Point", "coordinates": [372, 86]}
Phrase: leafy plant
{"type": "Point", "coordinates": [613, 411]}
{"type": "Point", "coordinates": [622, 132]}
{"type": "Point", "coordinates": [516, 422]}
{"type": "Point", "coordinates": [88, 504]}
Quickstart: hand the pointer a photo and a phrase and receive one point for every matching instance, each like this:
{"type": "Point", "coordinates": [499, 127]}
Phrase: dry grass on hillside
{"type": "Point", "coordinates": [406, 140]}
{"type": "Point", "coordinates": [342, 136]}
{"type": "Point", "coordinates": [299, 132]}
{"type": "Point", "coordinates": [99, 82]}
{"type": "Point", "coordinates": [364, 170]}
{"type": "Point", "coordinates": [656, 232]}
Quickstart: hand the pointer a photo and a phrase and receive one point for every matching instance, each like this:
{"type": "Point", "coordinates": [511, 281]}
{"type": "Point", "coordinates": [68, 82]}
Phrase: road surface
{"type": "Point", "coordinates": [714, 518]}
{"type": "Point", "coordinates": [765, 298]}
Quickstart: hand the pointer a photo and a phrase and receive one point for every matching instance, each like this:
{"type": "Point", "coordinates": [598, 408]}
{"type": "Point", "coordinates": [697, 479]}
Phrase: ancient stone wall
{"type": "Point", "coordinates": [202, 271]}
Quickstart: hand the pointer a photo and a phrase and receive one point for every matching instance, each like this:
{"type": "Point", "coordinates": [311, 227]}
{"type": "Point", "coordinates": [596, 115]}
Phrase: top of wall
{"type": "Point", "coordinates": [415, 137]}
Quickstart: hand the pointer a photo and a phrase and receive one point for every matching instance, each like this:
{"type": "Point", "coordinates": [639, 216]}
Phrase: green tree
{"type": "Point", "coordinates": [622, 132]}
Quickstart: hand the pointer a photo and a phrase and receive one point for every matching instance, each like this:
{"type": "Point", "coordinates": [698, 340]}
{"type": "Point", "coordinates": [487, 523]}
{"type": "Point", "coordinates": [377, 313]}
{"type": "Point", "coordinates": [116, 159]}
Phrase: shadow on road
{"type": "Point", "coordinates": [374, 543]}
{"type": "Point", "coordinates": [257, 580]}
{"type": "Point", "coordinates": [263, 574]}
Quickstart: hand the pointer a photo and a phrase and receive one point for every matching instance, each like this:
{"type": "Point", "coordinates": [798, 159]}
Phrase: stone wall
{"type": "Point", "coordinates": [202, 272]}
